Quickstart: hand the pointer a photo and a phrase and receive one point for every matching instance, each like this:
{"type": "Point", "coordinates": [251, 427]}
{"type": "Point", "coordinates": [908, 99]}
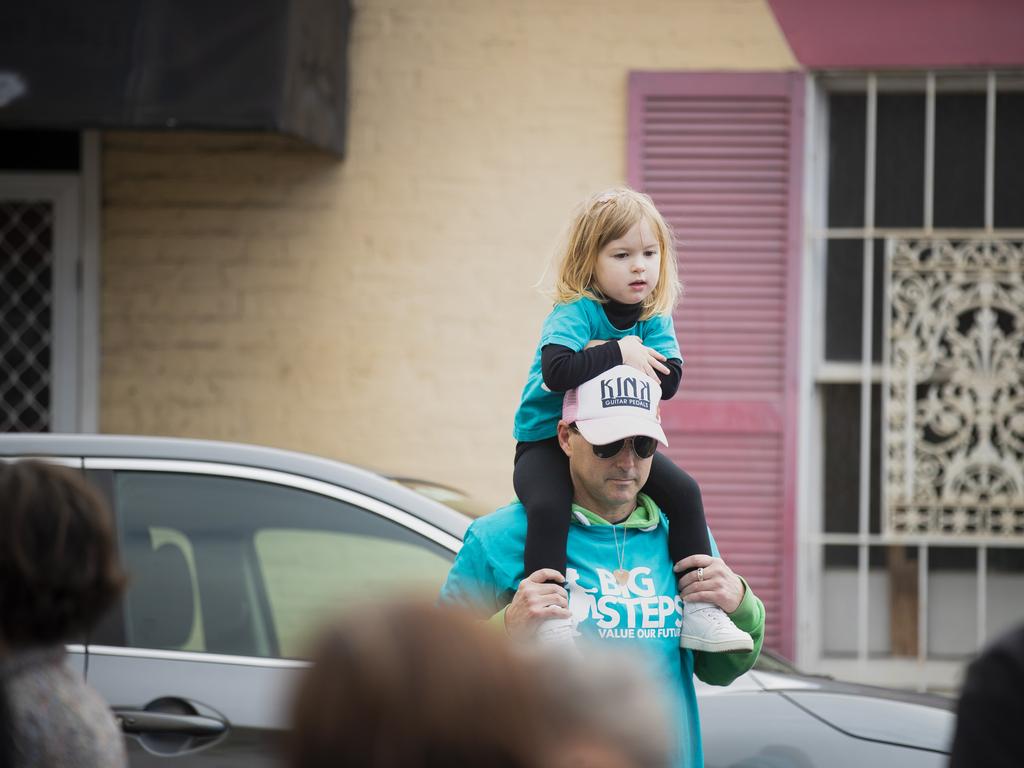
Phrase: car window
{"type": "Point", "coordinates": [177, 540]}
{"type": "Point", "coordinates": [239, 566]}
{"type": "Point", "coordinates": [304, 580]}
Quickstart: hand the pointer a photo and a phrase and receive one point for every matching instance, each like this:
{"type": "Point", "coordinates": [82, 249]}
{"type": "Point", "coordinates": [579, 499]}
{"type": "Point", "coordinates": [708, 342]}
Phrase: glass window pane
{"type": "Point", "coordinates": [310, 574]}
{"type": "Point", "coordinates": [840, 601]}
{"type": "Point", "coordinates": [1009, 180]}
{"type": "Point", "coordinates": [844, 281]}
{"type": "Point", "coordinates": [842, 447]}
{"type": "Point", "coordinates": [899, 160]}
{"type": "Point", "coordinates": [960, 160]}
{"type": "Point", "coordinates": [842, 458]}
{"type": "Point", "coordinates": [224, 565]}
{"type": "Point", "coordinates": [952, 602]}
{"type": "Point", "coordinates": [846, 130]}
{"type": "Point", "coordinates": [1005, 607]}
{"type": "Point", "coordinates": [892, 601]}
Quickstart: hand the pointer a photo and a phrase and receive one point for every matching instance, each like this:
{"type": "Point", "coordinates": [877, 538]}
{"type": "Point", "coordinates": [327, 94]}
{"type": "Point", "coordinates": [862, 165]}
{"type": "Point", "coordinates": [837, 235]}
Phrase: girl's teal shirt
{"type": "Point", "coordinates": [574, 325]}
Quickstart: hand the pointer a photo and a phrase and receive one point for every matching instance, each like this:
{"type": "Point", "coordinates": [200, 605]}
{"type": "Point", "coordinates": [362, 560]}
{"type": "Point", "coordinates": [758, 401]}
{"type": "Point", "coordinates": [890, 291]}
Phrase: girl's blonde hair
{"type": "Point", "coordinates": [602, 218]}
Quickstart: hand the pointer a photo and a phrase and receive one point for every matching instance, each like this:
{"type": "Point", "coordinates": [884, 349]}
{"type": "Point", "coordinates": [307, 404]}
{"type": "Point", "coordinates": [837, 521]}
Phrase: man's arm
{"type": "Point", "coordinates": [730, 592]}
{"type": "Point", "coordinates": [723, 668]}
{"type": "Point", "coordinates": [537, 598]}
{"type": "Point", "coordinates": [473, 585]}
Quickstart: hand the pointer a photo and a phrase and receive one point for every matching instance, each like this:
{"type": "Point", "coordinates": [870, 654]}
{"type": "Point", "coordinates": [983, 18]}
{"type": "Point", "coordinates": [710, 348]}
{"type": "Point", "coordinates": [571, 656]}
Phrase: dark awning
{"type": "Point", "coordinates": [250, 65]}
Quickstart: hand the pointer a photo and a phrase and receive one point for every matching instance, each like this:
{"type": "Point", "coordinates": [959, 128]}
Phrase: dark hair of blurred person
{"type": "Point", "coordinates": [610, 709]}
{"type": "Point", "coordinates": [409, 684]}
{"type": "Point", "coordinates": [991, 707]}
{"type": "Point", "coordinates": [59, 572]}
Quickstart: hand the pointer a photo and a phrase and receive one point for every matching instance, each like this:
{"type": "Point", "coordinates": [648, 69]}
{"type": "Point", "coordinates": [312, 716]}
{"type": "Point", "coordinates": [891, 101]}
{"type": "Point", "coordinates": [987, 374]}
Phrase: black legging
{"type": "Point", "coordinates": [542, 483]}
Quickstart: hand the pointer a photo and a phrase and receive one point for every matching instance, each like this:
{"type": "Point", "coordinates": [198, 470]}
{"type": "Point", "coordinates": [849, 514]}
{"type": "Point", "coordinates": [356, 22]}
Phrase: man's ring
{"type": "Point", "coordinates": [700, 574]}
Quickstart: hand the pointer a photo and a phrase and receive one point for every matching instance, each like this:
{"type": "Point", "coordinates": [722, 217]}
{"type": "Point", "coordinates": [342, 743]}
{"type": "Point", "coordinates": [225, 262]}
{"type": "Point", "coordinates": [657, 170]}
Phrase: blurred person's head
{"type": "Point", "coordinates": [612, 712]}
{"type": "Point", "coordinates": [409, 684]}
{"type": "Point", "coordinates": [59, 568]}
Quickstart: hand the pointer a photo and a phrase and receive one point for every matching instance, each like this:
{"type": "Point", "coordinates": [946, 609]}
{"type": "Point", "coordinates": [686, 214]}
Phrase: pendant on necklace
{"type": "Point", "coordinates": [621, 576]}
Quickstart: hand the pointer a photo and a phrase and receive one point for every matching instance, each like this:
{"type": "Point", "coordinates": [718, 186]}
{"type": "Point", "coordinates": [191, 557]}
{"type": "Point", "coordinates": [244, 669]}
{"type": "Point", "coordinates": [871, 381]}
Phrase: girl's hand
{"type": "Point", "coordinates": [645, 359]}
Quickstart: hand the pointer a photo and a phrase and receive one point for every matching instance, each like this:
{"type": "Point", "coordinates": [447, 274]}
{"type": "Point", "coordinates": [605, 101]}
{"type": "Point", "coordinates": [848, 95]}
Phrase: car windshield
{"type": "Point", "coordinates": [458, 500]}
{"type": "Point", "coordinates": [769, 662]}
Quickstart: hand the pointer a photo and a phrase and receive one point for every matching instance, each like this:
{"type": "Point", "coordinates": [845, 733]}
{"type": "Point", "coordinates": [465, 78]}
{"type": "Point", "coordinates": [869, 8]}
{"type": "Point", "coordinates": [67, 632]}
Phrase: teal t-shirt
{"type": "Point", "coordinates": [643, 615]}
{"type": "Point", "coordinates": [574, 325]}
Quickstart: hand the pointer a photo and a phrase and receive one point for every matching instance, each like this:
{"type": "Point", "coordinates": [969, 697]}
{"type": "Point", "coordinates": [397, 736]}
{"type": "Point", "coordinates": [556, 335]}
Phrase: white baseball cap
{"type": "Point", "coordinates": [619, 403]}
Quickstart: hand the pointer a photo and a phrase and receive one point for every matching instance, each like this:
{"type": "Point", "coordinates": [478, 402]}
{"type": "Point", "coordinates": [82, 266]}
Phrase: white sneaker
{"type": "Point", "coordinates": [706, 627]}
{"type": "Point", "coordinates": [557, 634]}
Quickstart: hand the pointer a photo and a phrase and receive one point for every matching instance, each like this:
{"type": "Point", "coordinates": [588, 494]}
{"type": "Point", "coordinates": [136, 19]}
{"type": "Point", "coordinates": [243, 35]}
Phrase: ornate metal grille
{"type": "Point", "coordinates": [26, 315]}
{"type": "Point", "coordinates": [954, 411]}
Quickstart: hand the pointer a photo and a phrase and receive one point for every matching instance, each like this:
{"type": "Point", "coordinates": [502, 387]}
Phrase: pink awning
{"type": "Point", "coordinates": [903, 34]}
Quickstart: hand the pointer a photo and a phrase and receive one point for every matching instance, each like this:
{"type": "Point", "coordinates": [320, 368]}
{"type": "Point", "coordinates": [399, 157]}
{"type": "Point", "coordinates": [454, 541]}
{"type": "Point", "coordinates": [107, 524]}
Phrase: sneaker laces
{"type": "Point", "coordinates": [715, 615]}
{"type": "Point", "coordinates": [555, 630]}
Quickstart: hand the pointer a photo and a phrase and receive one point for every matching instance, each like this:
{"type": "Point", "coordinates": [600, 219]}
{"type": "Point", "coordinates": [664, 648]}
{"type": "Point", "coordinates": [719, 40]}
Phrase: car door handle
{"type": "Point", "coordinates": [142, 721]}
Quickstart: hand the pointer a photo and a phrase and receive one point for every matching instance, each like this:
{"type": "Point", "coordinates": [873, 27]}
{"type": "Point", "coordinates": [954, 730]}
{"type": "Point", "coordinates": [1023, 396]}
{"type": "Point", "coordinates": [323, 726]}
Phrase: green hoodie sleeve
{"type": "Point", "coordinates": [723, 668]}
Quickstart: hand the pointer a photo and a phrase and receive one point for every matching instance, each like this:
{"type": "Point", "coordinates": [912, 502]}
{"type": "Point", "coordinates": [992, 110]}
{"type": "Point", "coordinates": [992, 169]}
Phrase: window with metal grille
{"type": "Point", "coordinates": [917, 267]}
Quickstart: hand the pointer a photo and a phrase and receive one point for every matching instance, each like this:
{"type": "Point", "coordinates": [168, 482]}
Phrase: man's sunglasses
{"type": "Point", "coordinates": [643, 446]}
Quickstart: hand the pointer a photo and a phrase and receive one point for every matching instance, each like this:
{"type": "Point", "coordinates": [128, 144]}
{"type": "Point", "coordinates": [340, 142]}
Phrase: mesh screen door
{"type": "Point", "coordinates": [41, 320]}
{"type": "Point", "coordinates": [26, 315]}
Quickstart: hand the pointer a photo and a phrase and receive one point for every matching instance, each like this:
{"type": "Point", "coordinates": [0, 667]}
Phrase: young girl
{"type": "Point", "coordinates": [616, 287]}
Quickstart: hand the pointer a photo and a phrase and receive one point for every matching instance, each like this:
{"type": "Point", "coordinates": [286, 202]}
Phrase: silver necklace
{"type": "Point", "coordinates": [621, 574]}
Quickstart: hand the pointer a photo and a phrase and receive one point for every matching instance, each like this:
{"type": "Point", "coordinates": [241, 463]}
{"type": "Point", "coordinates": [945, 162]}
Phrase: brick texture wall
{"type": "Point", "coordinates": [379, 309]}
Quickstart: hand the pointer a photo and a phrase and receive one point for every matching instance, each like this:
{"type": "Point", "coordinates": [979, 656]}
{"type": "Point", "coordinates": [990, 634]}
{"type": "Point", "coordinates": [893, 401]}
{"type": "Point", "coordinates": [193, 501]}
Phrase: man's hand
{"type": "Point", "coordinates": [645, 359]}
{"type": "Point", "coordinates": [719, 586]}
{"type": "Point", "coordinates": [538, 597]}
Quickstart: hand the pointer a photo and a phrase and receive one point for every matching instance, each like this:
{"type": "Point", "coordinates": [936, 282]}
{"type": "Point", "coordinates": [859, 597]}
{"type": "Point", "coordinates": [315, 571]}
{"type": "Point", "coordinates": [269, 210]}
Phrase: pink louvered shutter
{"type": "Point", "coordinates": [720, 154]}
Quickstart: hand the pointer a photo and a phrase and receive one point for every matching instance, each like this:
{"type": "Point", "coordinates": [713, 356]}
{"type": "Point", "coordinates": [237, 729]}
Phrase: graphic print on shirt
{"type": "Point", "coordinates": [633, 610]}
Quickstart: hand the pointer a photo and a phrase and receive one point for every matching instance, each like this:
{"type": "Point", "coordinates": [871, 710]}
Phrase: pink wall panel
{"type": "Point", "coordinates": [720, 153]}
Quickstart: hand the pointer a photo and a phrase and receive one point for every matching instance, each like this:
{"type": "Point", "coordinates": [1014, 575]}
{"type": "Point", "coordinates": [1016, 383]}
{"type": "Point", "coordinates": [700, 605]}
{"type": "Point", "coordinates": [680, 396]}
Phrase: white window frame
{"type": "Point", "coordinates": [814, 372]}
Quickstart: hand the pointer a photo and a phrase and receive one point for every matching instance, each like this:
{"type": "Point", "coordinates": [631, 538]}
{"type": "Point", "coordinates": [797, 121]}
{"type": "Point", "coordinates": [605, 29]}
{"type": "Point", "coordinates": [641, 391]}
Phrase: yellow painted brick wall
{"type": "Point", "coordinates": [379, 309]}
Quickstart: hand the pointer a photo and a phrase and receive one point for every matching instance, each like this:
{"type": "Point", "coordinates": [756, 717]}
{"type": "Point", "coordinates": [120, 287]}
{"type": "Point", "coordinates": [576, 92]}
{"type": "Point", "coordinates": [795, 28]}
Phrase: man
{"type": "Point", "coordinates": [621, 588]}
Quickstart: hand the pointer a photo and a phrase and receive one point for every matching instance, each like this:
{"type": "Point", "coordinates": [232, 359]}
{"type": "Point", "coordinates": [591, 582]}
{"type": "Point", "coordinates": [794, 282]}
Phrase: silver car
{"type": "Point", "coordinates": [237, 552]}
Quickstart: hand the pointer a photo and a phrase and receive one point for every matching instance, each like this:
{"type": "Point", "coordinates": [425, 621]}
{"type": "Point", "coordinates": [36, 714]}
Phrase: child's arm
{"type": "Point", "coordinates": [641, 357]}
{"type": "Point", "coordinates": [670, 379]}
{"type": "Point", "coordinates": [564, 369]}
{"type": "Point", "coordinates": [570, 326]}
{"type": "Point", "coordinates": [659, 334]}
